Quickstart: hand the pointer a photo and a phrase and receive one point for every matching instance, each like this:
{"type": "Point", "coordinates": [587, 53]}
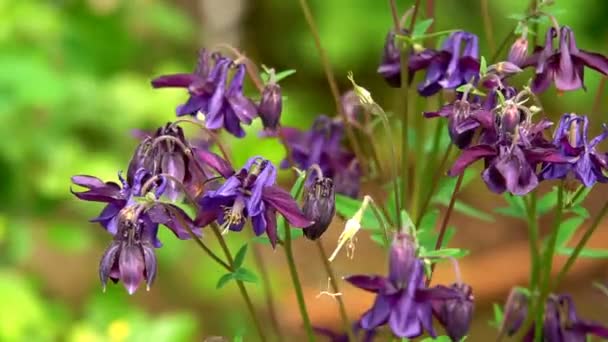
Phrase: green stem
{"type": "Point", "coordinates": [581, 244]}
{"type": "Point", "coordinates": [336, 289]}
{"type": "Point", "coordinates": [241, 286]}
{"type": "Point", "coordinates": [259, 260]}
{"type": "Point", "coordinates": [533, 239]}
{"type": "Point", "coordinates": [547, 264]}
{"type": "Point", "coordinates": [420, 129]}
{"type": "Point", "coordinates": [296, 282]}
{"type": "Point", "coordinates": [331, 79]}
{"type": "Point", "coordinates": [487, 24]}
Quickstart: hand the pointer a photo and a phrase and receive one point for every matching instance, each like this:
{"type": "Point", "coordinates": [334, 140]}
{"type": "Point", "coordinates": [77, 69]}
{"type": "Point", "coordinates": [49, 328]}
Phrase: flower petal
{"type": "Point", "coordinates": [270, 215]}
{"type": "Point", "coordinates": [131, 266]}
{"type": "Point", "coordinates": [175, 80]}
{"type": "Point", "coordinates": [469, 156]}
{"type": "Point", "coordinates": [107, 262]}
{"type": "Point", "coordinates": [216, 162]}
{"type": "Point", "coordinates": [373, 283]}
{"type": "Point", "coordinates": [378, 314]}
{"type": "Point", "coordinates": [150, 264]}
{"type": "Point", "coordinates": [282, 201]}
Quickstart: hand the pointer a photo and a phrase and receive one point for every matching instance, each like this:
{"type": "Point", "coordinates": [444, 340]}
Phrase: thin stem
{"type": "Point", "coordinates": [547, 263]}
{"type": "Point", "coordinates": [331, 79]}
{"type": "Point", "coordinates": [533, 239]}
{"type": "Point", "coordinates": [534, 8]}
{"type": "Point", "coordinates": [381, 221]}
{"type": "Point", "coordinates": [597, 102]}
{"type": "Point", "coordinates": [581, 244]}
{"type": "Point", "coordinates": [446, 219]}
{"type": "Point", "coordinates": [336, 289]}
{"type": "Point", "coordinates": [259, 260]}
{"type": "Point", "coordinates": [414, 15]}
{"type": "Point", "coordinates": [434, 184]}
{"type": "Point", "coordinates": [296, 282]}
{"type": "Point", "coordinates": [395, 15]}
{"type": "Point", "coordinates": [418, 176]}
{"type": "Point", "coordinates": [487, 23]}
{"type": "Point", "coordinates": [213, 136]}
{"type": "Point", "coordinates": [241, 286]}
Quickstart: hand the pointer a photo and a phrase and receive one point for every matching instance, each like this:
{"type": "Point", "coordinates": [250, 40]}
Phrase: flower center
{"type": "Point", "coordinates": [233, 215]}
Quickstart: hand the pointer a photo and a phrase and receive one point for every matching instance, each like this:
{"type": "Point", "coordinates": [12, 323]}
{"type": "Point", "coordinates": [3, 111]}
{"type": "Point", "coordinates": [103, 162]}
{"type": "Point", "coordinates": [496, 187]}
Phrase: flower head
{"type": "Point", "coordinates": [271, 106]}
{"type": "Point", "coordinates": [223, 105]}
{"type": "Point", "coordinates": [319, 206]}
{"type": "Point", "coordinates": [250, 193]}
{"type": "Point", "coordinates": [586, 164]}
{"type": "Point", "coordinates": [455, 313]}
{"type": "Point", "coordinates": [565, 65]}
{"type": "Point", "coordinates": [518, 51]}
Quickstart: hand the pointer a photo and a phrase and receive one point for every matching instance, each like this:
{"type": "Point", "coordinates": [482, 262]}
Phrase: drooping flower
{"type": "Point", "coordinates": [565, 65]}
{"type": "Point", "coordinates": [402, 299]}
{"type": "Point", "coordinates": [223, 105]}
{"type": "Point", "coordinates": [319, 206]}
{"type": "Point", "coordinates": [587, 164]}
{"type": "Point", "coordinates": [250, 193]}
{"type": "Point", "coordinates": [390, 64]}
{"type": "Point", "coordinates": [455, 314]}
{"type": "Point", "coordinates": [134, 225]}
{"type": "Point", "coordinates": [561, 323]}
{"type": "Point", "coordinates": [518, 52]}
{"type": "Point", "coordinates": [271, 106]}
{"type": "Point", "coordinates": [321, 145]}
{"type": "Point", "coordinates": [451, 66]}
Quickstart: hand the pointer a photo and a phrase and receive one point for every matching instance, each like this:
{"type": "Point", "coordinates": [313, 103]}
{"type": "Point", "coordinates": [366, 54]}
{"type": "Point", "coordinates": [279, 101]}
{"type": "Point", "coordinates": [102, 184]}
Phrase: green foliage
{"type": "Point", "coordinates": [240, 273]}
{"type": "Point", "coordinates": [240, 256]}
{"type": "Point", "coordinates": [347, 207]}
{"type": "Point", "coordinates": [444, 194]}
{"type": "Point", "coordinates": [516, 207]}
{"type": "Point", "coordinates": [496, 322]}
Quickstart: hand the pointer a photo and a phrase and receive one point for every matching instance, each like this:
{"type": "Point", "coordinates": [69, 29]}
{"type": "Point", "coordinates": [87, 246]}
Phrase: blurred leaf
{"type": "Point", "coordinates": [471, 211]}
{"type": "Point", "coordinates": [437, 339]}
{"type": "Point", "coordinates": [516, 207]}
{"type": "Point", "coordinates": [246, 275]}
{"type": "Point", "coordinates": [585, 253]}
{"type": "Point", "coordinates": [421, 27]}
{"type": "Point", "coordinates": [498, 316]}
{"type": "Point", "coordinates": [567, 228]}
{"type": "Point", "coordinates": [224, 280]}
{"type": "Point", "coordinates": [483, 66]}
{"type": "Point", "coordinates": [546, 203]}
{"type": "Point", "coordinates": [69, 237]}
{"type": "Point", "coordinates": [347, 207]}
{"type": "Point", "coordinates": [445, 253]}
{"type": "Point", "coordinates": [580, 211]}
{"type": "Point", "coordinates": [240, 256]}
{"type": "Point", "coordinates": [378, 237]}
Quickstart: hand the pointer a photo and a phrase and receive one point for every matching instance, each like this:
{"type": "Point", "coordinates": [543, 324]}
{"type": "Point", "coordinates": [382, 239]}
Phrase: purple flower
{"type": "Point", "coordinates": [319, 206]}
{"type": "Point", "coordinates": [562, 324]}
{"type": "Point", "coordinates": [390, 65]}
{"type": "Point", "coordinates": [134, 225]}
{"type": "Point", "coordinates": [511, 160]}
{"type": "Point", "coordinates": [271, 106]}
{"type": "Point", "coordinates": [250, 193]}
{"type": "Point", "coordinates": [321, 145]}
{"type": "Point", "coordinates": [516, 311]}
{"type": "Point", "coordinates": [518, 52]}
{"type": "Point", "coordinates": [564, 65]}
{"type": "Point", "coordinates": [224, 106]}
{"type": "Point", "coordinates": [586, 164]}
{"type": "Point", "coordinates": [455, 313]}
{"type": "Point", "coordinates": [449, 68]}
{"type": "Point", "coordinates": [403, 300]}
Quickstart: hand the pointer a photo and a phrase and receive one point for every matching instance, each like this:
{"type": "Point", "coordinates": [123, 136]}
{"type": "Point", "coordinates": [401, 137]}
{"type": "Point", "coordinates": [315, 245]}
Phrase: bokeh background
{"type": "Point", "coordinates": [74, 82]}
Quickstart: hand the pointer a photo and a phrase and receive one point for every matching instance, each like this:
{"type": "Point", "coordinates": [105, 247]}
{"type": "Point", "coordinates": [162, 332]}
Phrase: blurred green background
{"type": "Point", "coordinates": [74, 82]}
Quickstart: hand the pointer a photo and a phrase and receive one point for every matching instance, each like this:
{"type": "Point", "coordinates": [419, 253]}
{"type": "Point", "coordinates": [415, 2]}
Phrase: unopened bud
{"type": "Point", "coordinates": [319, 207]}
{"type": "Point", "coordinates": [402, 259]}
{"type": "Point", "coordinates": [518, 52]}
{"type": "Point", "coordinates": [516, 311]}
{"type": "Point", "coordinates": [271, 106]}
{"type": "Point", "coordinates": [456, 314]}
{"type": "Point", "coordinates": [510, 118]}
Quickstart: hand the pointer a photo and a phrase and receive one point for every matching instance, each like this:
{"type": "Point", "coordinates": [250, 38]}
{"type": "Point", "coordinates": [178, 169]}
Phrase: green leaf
{"type": "Point", "coordinates": [296, 189]}
{"type": "Point", "coordinates": [406, 220]}
{"type": "Point", "coordinates": [580, 211]}
{"type": "Point", "coordinates": [437, 339]}
{"type": "Point", "coordinates": [483, 66]}
{"type": "Point", "coordinates": [378, 238]}
{"type": "Point", "coordinates": [421, 27]}
{"type": "Point", "coordinates": [446, 253]}
{"type": "Point", "coordinates": [224, 280]}
{"type": "Point", "coordinates": [498, 316]}
{"type": "Point", "coordinates": [591, 253]}
{"type": "Point", "coordinates": [567, 228]}
{"type": "Point", "coordinates": [347, 207]}
{"type": "Point", "coordinates": [246, 275]}
{"type": "Point", "coordinates": [471, 211]}
{"type": "Point", "coordinates": [516, 16]}
{"type": "Point", "coordinates": [516, 207]}
{"type": "Point", "coordinates": [284, 74]}
{"type": "Point", "coordinates": [546, 203]}
{"type": "Point", "coordinates": [579, 200]}
{"type": "Point", "coordinates": [240, 256]}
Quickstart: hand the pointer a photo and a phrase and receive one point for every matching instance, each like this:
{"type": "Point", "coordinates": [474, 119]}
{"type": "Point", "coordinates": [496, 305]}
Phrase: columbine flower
{"type": "Point", "coordinates": [223, 106]}
{"type": "Point", "coordinates": [321, 145]}
{"type": "Point", "coordinates": [511, 160]}
{"type": "Point", "coordinates": [319, 206]}
{"type": "Point", "coordinates": [250, 193]}
{"type": "Point", "coordinates": [564, 65]}
{"type": "Point", "coordinates": [134, 225]}
{"type": "Point", "coordinates": [449, 68]}
{"type": "Point", "coordinates": [390, 65]}
{"type": "Point", "coordinates": [562, 324]}
{"type": "Point", "coordinates": [516, 311]}
{"type": "Point", "coordinates": [587, 164]}
{"type": "Point", "coordinates": [118, 198]}
{"type": "Point", "coordinates": [403, 300]}
{"type": "Point", "coordinates": [271, 106]}
{"type": "Point", "coordinates": [518, 51]}
{"type": "Point", "coordinates": [455, 314]}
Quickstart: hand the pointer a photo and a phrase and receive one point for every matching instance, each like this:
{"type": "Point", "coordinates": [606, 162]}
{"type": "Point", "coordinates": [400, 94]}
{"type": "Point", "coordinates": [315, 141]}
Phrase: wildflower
{"type": "Point", "coordinates": [223, 106]}
{"type": "Point", "coordinates": [518, 51]}
{"type": "Point", "coordinates": [564, 65]}
{"type": "Point", "coordinates": [586, 164]}
{"type": "Point", "coordinates": [516, 311]}
{"type": "Point", "coordinates": [456, 312]}
{"type": "Point", "coordinates": [321, 145]}
{"type": "Point", "coordinates": [271, 106]}
{"type": "Point", "coordinates": [250, 193]}
{"type": "Point", "coordinates": [390, 65]}
{"type": "Point", "coordinates": [449, 68]}
{"type": "Point", "coordinates": [319, 206]}
{"type": "Point", "coordinates": [403, 300]}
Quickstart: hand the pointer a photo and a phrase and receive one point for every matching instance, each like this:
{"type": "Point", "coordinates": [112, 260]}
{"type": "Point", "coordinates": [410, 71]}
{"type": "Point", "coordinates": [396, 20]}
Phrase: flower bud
{"type": "Point", "coordinates": [351, 106]}
{"type": "Point", "coordinates": [402, 259]}
{"type": "Point", "coordinates": [518, 52]}
{"type": "Point", "coordinates": [271, 106]}
{"type": "Point", "coordinates": [510, 118]}
{"type": "Point", "coordinates": [506, 68]}
{"type": "Point", "coordinates": [516, 311]}
{"type": "Point", "coordinates": [456, 313]}
{"type": "Point", "coordinates": [319, 207]}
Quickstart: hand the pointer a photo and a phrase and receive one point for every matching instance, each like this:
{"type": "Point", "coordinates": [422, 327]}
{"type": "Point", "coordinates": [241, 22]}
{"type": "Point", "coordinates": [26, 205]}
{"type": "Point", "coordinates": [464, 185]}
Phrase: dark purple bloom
{"type": "Point", "coordinates": [224, 106]}
{"type": "Point", "coordinates": [518, 52]}
{"type": "Point", "coordinates": [564, 65]}
{"type": "Point", "coordinates": [250, 193]}
{"type": "Point", "coordinates": [511, 160]}
{"type": "Point", "coordinates": [450, 67]}
{"type": "Point", "coordinates": [390, 65]}
{"type": "Point", "coordinates": [516, 311]}
{"type": "Point", "coordinates": [319, 206]}
{"type": "Point", "coordinates": [403, 300]}
{"type": "Point", "coordinates": [455, 313]}
{"type": "Point", "coordinates": [271, 106]}
{"type": "Point", "coordinates": [587, 165]}
{"type": "Point", "coordinates": [321, 145]}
